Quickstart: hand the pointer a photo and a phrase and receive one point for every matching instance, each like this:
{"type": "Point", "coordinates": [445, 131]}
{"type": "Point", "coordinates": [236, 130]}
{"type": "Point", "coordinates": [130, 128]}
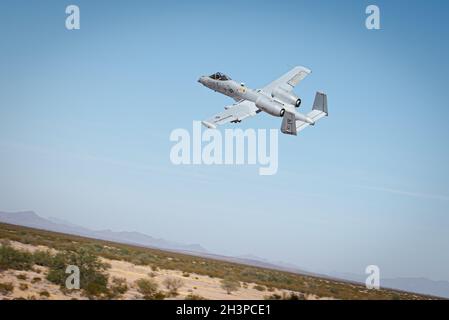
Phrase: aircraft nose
{"type": "Point", "coordinates": [202, 80]}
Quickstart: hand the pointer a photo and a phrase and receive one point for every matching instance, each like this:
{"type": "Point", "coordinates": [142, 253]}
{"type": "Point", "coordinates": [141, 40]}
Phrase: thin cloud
{"type": "Point", "coordinates": [408, 193]}
{"type": "Point", "coordinates": [149, 169]}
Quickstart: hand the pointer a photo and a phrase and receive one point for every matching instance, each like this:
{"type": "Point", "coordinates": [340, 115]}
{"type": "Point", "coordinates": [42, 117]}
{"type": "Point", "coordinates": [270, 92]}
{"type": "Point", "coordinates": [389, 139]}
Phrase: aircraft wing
{"type": "Point", "coordinates": [234, 113]}
{"type": "Point", "coordinates": [289, 80]}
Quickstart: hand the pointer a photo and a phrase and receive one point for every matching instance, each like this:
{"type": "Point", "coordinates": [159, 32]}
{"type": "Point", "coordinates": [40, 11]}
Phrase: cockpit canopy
{"type": "Point", "coordinates": [219, 76]}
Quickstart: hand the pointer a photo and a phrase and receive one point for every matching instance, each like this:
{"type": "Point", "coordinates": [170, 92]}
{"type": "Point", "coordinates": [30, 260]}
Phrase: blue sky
{"type": "Point", "coordinates": [85, 119]}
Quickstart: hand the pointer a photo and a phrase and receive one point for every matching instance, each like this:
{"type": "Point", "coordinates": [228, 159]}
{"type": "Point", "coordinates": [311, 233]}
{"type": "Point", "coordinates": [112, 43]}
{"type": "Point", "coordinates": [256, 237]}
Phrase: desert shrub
{"type": "Point", "coordinates": [159, 296]}
{"type": "Point", "coordinates": [285, 296]}
{"type": "Point", "coordinates": [43, 258]}
{"type": "Point", "coordinates": [259, 287]}
{"type": "Point", "coordinates": [36, 279]}
{"type": "Point", "coordinates": [37, 270]}
{"type": "Point", "coordinates": [149, 289]}
{"type": "Point", "coordinates": [247, 272]}
{"type": "Point", "coordinates": [293, 296]}
{"type": "Point", "coordinates": [155, 268]}
{"type": "Point", "coordinates": [395, 296]}
{"type": "Point", "coordinates": [172, 285]}
{"type": "Point", "coordinates": [6, 288]}
{"type": "Point", "coordinates": [23, 286]}
{"type": "Point", "coordinates": [142, 259]}
{"type": "Point", "coordinates": [333, 290]}
{"type": "Point", "coordinates": [273, 296]}
{"type": "Point", "coordinates": [44, 293]}
{"type": "Point", "coordinates": [11, 258]}
{"type": "Point", "coordinates": [119, 287]}
{"type": "Point", "coordinates": [21, 276]}
{"type": "Point", "coordinates": [230, 285]}
{"type": "Point", "coordinates": [28, 239]}
{"type": "Point", "coordinates": [93, 279]}
{"type": "Point", "coordinates": [194, 297]}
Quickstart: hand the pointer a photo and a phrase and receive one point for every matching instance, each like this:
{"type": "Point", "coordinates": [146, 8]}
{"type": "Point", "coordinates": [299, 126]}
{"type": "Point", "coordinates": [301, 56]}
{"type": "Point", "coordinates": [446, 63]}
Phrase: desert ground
{"type": "Point", "coordinates": [33, 266]}
{"type": "Point", "coordinates": [30, 284]}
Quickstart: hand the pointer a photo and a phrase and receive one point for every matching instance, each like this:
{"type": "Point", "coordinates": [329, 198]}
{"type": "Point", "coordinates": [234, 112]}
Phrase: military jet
{"type": "Point", "coordinates": [275, 99]}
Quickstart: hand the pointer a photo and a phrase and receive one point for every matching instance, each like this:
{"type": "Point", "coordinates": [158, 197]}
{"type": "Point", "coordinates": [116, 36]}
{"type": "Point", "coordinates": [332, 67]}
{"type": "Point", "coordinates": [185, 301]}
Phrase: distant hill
{"type": "Point", "coordinates": [32, 220]}
{"type": "Point", "coordinates": [418, 285]}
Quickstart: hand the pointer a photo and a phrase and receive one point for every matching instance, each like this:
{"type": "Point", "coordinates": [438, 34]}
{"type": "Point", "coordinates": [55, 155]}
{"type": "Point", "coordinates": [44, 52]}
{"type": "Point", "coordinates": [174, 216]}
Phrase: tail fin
{"type": "Point", "coordinates": [320, 102]}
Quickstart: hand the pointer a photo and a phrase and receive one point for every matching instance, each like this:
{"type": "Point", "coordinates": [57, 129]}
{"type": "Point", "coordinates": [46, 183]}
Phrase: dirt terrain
{"type": "Point", "coordinates": [33, 266]}
{"type": "Point", "coordinates": [204, 286]}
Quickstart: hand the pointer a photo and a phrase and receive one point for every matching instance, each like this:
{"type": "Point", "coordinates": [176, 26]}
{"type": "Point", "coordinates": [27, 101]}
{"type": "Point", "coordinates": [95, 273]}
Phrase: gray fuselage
{"type": "Point", "coordinates": [238, 91]}
{"type": "Point", "coordinates": [230, 88]}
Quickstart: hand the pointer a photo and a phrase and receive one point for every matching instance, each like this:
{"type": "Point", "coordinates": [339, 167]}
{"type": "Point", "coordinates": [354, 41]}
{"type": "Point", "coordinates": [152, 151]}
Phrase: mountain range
{"type": "Point", "coordinates": [32, 220]}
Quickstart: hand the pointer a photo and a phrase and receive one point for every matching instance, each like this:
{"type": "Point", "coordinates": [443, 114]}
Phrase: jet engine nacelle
{"type": "Point", "coordinates": [270, 107]}
{"type": "Point", "coordinates": [287, 97]}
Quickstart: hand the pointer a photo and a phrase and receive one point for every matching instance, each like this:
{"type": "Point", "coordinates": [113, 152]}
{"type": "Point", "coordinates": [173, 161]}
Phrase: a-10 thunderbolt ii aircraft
{"type": "Point", "coordinates": [275, 99]}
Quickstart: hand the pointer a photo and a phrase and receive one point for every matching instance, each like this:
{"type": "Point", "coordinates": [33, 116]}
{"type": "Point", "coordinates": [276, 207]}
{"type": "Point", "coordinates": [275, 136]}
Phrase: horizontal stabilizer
{"type": "Point", "coordinates": [319, 110]}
